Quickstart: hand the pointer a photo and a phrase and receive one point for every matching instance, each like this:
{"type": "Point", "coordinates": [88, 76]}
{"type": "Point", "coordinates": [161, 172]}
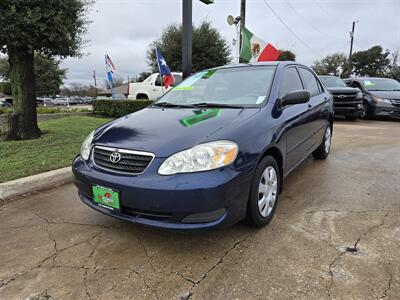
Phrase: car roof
{"type": "Point", "coordinates": [366, 78]}
{"type": "Point", "coordinates": [329, 76]}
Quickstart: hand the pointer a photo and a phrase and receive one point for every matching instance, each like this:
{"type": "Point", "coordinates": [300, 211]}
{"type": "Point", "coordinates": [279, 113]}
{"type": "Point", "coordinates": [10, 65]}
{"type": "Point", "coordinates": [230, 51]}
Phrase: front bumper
{"type": "Point", "coordinates": [350, 109]}
{"type": "Point", "coordinates": [387, 110]}
{"type": "Point", "coordinates": [183, 201]}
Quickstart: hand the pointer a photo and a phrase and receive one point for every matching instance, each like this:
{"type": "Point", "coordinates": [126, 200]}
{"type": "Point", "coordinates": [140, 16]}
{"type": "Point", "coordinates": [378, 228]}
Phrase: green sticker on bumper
{"type": "Point", "coordinates": [106, 197]}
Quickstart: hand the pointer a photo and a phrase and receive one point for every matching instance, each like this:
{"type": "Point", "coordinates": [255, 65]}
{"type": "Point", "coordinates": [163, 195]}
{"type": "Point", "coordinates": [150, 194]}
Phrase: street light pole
{"type": "Point", "coordinates": [186, 38]}
{"type": "Point", "coordinates": [349, 69]}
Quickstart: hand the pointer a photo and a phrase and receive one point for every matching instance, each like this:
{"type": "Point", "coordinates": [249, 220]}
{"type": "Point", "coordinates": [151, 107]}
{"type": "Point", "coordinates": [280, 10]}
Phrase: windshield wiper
{"type": "Point", "coordinates": [218, 105]}
{"type": "Point", "coordinates": [168, 104]}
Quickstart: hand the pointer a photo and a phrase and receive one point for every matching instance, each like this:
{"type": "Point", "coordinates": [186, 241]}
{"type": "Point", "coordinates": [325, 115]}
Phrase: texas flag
{"type": "Point", "coordinates": [255, 49]}
{"type": "Point", "coordinates": [167, 77]}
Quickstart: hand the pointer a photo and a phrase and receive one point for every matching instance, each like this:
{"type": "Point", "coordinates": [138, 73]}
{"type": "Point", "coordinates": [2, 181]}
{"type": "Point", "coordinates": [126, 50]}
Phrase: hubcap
{"type": "Point", "coordinates": [267, 191]}
{"type": "Point", "coordinates": [327, 140]}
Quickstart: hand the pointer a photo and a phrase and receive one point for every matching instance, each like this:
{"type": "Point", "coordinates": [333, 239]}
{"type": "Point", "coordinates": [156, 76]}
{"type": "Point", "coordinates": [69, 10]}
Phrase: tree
{"type": "Point", "coordinates": [287, 55]}
{"type": "Point", "coordinates": [52, 28]}
{"type": "Point", "coordinates": [330, 65]}
{"type": "Point", "coordinates": [210, 49]}
{"type": "Point", "coordinates": [373, 62]}
{"type": "Point", "coordinates": [48, 74]}
{"type": "Point", "coordinates": [394, 67]}
{"type": "Point", "coordinates": [142, 76]}
{"type": "Point", "coordinates": [77, 89]}
{"type": "Point", "coordinates": [117, 81]}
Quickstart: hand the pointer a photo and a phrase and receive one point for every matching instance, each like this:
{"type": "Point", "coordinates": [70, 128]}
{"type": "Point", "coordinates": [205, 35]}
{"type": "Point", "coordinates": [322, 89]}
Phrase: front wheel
{"type": "Point", "coordinates": [323, 150]}
{"type": "Point", "coordinates": [264, 193]}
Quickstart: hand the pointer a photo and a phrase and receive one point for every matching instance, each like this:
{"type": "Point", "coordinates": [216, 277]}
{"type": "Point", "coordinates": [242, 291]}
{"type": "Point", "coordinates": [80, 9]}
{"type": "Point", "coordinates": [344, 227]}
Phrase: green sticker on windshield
{"type": "Point", "coordinates": [183, 88]}
{"type": "Point", "coordinates": [368, 83]}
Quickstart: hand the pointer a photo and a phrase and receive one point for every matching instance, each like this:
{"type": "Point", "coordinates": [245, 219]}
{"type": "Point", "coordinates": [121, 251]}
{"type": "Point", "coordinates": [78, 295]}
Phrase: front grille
{"type": "Point", "coordinates": [396, 102]}
{"type": "Point", "coordinates": [131, 162]}
{"type": "Point", "coordinates": [344, 97]}
{"type": "Point", "coordinates": [145, 214]}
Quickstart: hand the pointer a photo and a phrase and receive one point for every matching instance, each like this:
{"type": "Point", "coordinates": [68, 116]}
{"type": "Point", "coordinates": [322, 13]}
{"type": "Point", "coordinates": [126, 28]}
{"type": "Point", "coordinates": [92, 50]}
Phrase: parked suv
{"type": "Point", "coordinates": [381, 96]}
{"type": "Point", "coordinates": [212, 151]}
{"type": "Point", "coordinates": [347, 101]}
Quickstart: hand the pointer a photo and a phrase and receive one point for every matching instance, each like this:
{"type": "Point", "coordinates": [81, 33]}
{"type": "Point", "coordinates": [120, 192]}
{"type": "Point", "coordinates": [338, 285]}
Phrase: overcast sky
{"type": "Point", "coordinates": [124, 29]}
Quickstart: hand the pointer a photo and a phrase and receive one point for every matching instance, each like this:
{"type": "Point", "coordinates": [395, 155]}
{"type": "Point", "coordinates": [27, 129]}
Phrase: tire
{"type": "Point", "coordinates": [267, 174]}
{"type": "Point", "coordinates": [367, 111]}
{"type": "Point", "coordinates": [324, 149]}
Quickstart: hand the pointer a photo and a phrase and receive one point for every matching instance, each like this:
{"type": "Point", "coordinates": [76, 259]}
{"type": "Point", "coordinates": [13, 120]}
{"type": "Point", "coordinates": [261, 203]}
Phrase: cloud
{"type": "Point", "coordinates": [125, 28]}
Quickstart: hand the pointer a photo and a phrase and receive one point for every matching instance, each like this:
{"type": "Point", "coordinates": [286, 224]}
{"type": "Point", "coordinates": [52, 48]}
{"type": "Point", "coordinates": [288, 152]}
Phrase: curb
{"type": "Point", "coordinates": [35, 183]}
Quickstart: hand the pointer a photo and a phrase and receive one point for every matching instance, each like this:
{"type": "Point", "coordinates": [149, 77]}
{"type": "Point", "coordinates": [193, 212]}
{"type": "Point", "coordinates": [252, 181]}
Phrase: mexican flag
{"type": "Point", "coordinates": [255, 49]}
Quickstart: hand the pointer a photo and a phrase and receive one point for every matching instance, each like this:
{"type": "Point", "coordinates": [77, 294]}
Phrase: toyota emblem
{"type": "Point", "coordinates": [341, 96]}
{"type": "Point", "coordinates": [115, 157]}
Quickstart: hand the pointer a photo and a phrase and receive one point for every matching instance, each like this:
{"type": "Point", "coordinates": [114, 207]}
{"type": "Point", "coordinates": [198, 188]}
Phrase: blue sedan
{"type": "Point", "coordinates": [212, 151]}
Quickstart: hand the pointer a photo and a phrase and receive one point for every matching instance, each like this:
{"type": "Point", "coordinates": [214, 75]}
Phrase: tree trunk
{"type": "Point", "coordinates": [24, 117]}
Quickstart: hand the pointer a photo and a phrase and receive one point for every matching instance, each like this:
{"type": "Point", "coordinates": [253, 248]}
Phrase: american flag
{"type": "Point", "coordinates": [110, 64]}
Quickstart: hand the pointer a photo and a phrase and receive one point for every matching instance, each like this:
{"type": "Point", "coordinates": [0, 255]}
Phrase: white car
{"type": "Point", "coordinates": [151, 87]}
{"type": "Point", "coordinates": [61, 101]}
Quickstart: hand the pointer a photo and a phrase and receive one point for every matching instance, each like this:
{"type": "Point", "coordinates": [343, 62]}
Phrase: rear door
{"type": "Point", "coordinates": [296, 120]}
{"type": "Point", "coordinates": [317, 116]}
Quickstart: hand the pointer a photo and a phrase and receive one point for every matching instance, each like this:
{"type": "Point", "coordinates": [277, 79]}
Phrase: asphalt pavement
{"type": "Point", "coordinates": [336, 234]}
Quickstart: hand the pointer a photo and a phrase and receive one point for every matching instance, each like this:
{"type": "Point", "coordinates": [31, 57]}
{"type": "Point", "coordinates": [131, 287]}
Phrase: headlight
{"type": "Point", "coordinates": [203, 157]}
{"type": "Point", "coordinates": [379, 99]}
{"type": "Point", "coordinates": [359, 95]}
{"type": "Point", "coordinates": [86, 146]}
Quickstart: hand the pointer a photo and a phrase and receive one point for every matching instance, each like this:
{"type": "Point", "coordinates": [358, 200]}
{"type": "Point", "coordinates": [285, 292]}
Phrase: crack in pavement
{"type": "Point", "coordinates": [386, 291]}
{"type": "Point", "coordinates": [351, 250]}
{"type": "Point", "coordinates": [214, 266]}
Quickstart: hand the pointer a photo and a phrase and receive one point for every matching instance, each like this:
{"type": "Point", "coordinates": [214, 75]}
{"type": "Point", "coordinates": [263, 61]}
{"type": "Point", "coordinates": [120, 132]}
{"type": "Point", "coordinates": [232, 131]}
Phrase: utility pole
{"type": "Point", "coordinates": [349, 67]}
{"type": "Point", "coordinates": [95, 82]}
{"type": "Point", "coordinates": [186, 38]}
{"type": "Point", "coordinates": [242, 21]}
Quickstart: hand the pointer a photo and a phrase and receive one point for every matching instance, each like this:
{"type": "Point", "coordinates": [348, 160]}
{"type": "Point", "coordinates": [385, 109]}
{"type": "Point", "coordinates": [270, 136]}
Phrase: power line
{"type": "Point", "coordinates": [290, 30]}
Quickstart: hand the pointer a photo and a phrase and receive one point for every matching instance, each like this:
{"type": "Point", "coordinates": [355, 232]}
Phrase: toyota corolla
{"type": "Point", "coordinates": [212, 151]}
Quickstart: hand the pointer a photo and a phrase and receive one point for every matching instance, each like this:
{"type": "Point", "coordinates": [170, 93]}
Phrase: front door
{"type": "Point", "coordinates": [297, 137]}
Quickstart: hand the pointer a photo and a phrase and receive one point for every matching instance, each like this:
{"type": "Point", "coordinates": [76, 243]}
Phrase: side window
{"type": "Point", "coordinates": [356, 84]}
{"type": "Point", "coordinates": [178, 79]}
{"type": "Point", "coordinates": [290, 82]}
{"type": "Point", "coordinates": [309, 81]}
{"type": "Point", "coordinates": [158, 81]}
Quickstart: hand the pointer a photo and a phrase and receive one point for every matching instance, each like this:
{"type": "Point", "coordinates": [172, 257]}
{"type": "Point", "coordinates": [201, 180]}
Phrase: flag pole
{"type": "Point", "coordinates": [109, 77]}
{"type": "Point", "coordinates": [159, 72]}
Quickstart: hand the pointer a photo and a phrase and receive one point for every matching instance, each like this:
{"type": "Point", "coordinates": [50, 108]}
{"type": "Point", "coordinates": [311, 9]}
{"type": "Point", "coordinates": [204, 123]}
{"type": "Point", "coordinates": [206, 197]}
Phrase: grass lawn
{"type": "Point", "coordinates": [55, 149]}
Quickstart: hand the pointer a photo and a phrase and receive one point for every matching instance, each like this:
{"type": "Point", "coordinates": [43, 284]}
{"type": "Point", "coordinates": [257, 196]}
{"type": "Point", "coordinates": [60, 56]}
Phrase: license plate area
{"type": "Point", "coordinates": [106, 197]}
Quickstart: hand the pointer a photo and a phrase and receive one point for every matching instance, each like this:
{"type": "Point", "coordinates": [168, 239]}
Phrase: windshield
{"type": "Point", "coordinates": [333, 81]}
{"type": "Point", "coordinates": [381, 84]}
{"type": "Point", "coordinates": [230, 86]}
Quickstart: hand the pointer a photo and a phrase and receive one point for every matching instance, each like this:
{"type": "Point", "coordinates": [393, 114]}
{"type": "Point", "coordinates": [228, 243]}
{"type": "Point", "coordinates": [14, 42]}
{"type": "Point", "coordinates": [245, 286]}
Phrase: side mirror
{"type": "Point", "coordinates": [295, 97]}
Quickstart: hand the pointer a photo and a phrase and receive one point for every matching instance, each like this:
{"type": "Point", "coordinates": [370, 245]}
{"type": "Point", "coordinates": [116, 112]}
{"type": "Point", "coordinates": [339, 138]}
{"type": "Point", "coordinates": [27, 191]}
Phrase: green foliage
{"type": "Point", "coordinates": [51, 110]}
{"type": "Point", "coordinates": [330, 65]}
{"type": "Point", "coordinates": [52, 27]}
{"type": "Point", "coordinates": [210, 49]}
{"type": "Point", "coordinates": [143, 75]}
{"type": "Point", "coordinates": [287, 55]}
{"type": "Point", "coordinates": [119, 108]}
{"type": "Point", "coordinates": [56, 148]}
{"type": "Point", "coordinates": [48, 74]}
{"type": "Point", "coordinates": [373, 62]}
{"type": "Point", "coordinates": [5, 88]}
{"type": "Point", "coordinates": [394, 67]}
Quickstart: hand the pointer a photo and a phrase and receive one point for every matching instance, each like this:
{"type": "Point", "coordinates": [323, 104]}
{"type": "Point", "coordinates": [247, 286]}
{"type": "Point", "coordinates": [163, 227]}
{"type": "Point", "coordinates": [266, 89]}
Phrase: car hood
{"type": "Point", "coordinates": [343, 90]}
{"type": "Point", "coordinates": [167, 131]}
{"type": "Point", "coordinates": [386, 94]}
